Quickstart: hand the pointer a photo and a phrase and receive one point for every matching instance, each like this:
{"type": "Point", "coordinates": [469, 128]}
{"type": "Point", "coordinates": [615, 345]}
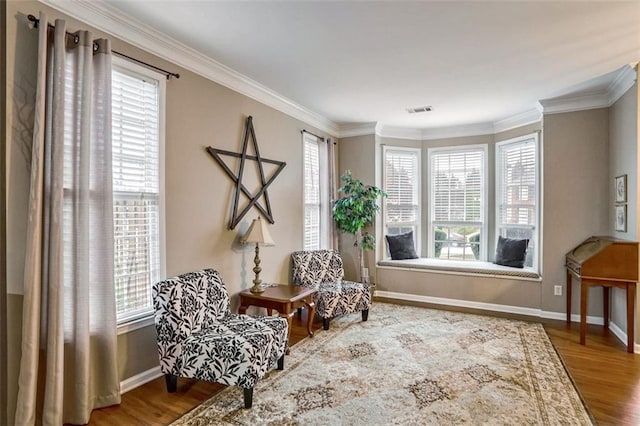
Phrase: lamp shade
{"type": "Point", "coordinates": [258, 233]}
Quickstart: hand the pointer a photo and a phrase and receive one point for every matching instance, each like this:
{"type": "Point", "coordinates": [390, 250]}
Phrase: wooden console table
{"type": "Point", "coordinates": [605, 262]}
{"type": "Point", "coordinates": [283, 298]}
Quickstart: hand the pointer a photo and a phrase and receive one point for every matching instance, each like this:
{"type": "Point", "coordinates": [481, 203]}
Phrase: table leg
{"type": "Point", "coordinates": [311, 311]}
{"type": "Point", "coordinates": [631, 299]}
{"type": "Point", "coordinates": [605, 302]}
{"type": "Point", "coordinates": [269, 311]}
{"type": "Point", "coordinates": [583, 312]}
{"type": "Point", "coordinates": [242, 309]}
{"type": "Point", "coordinates": [568, 295]}
{"type": "Point", "coordinates": [288, 316]}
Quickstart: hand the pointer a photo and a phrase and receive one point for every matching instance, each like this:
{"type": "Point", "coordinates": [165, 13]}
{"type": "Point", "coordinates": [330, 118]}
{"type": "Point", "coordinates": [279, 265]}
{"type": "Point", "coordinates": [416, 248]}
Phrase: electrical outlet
{"type": "Point", "coordinates": [557, 290]}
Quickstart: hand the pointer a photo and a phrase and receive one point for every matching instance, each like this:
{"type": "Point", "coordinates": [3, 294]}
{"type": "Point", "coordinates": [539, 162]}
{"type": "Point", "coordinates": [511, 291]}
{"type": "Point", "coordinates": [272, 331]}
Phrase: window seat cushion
{"type": "Point", "coordinates": [462, 266]}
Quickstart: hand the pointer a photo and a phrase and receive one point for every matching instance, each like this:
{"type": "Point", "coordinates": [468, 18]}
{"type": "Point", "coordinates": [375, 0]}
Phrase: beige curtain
{"type": "Point", "coordinates": [69, 363]}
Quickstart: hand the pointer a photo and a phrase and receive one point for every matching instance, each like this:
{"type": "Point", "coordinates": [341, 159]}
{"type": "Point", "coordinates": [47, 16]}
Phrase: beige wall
{"type": "Point", "coordinates": [623, 154]}
{"type": "Point", "coordinates": [623, 159]}
{"type": "Point", "coordinates": [576, 195]}
{"type": "Point", "coordinates": [197, 191]}
{"type": "Point", "coordinates": [358, 155]}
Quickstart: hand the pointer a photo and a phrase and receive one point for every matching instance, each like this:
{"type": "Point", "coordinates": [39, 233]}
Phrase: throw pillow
{"type": "Point", "coordinates": [401, 246]}
{"type": "Point", "coordinates": [511, 252]}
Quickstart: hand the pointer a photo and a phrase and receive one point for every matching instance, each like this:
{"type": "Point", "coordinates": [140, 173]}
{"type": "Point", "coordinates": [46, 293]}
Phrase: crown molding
{"type": "Point", "coordinates": [356, 129]}
{"type": "Point", "coordinates": [531, 116]}
{"type": "Point", "coordinates": [475, 129]}
{"type": "Point", "coordinates": [623, 81]}
{"type": "Point", "coordinates": [107, 18]}
{"type": "Point", "coordinates": [587, 101]}
{"type": "Point", "coordinates": [518, 120]}
{"type": "Point", "coordinates": [398, 132]}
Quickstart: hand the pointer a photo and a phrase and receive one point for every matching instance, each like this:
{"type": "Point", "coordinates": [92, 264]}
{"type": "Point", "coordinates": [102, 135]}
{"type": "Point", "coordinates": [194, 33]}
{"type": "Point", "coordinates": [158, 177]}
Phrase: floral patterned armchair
{"type": "Point", "coordinates": [199, 338]}
{"type": "Point", "coordinates": [323, 269]}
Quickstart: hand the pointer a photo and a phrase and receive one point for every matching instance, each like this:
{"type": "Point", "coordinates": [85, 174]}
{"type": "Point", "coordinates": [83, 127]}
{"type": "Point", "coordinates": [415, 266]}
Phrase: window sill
{"type": "Point", "coordinates": [483, 269]}
{"type": "Point", "coordinates": [135, 324]}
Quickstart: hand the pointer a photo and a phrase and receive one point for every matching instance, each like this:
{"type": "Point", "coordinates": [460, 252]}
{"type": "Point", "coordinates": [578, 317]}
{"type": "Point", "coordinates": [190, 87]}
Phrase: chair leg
{"type": "Point", "coordinates": [365, 315]}
{"type": "Point", "coordinates": [248, 397]}
{"type": "Point", "coordinates": [325, 323]}
{"type": "Point", "coordinates": [281, 363]}
{"type": "Point", "coordinates": [172, 382]}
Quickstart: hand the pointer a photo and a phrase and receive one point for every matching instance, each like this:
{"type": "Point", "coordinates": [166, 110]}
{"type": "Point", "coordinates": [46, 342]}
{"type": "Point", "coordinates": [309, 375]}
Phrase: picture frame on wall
{"type": "Point", "coordinates": [621, 189]}
{"type": "Point", "coordinates": [621, 218]}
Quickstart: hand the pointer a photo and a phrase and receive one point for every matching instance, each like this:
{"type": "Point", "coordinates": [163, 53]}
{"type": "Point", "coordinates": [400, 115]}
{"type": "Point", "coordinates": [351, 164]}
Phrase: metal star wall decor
{"type": "Point", "coordinates": [237, 178]}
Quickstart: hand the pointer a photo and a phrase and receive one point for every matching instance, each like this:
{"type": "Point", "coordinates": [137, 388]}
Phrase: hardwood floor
{"type": "Point", "coordinates": [607, 377]}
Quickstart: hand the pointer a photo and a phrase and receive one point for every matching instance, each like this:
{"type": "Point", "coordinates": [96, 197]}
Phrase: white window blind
{"type": "Point", "coordinates": [517, 191]}
{"type": "Point", "coordinates": [401, 182]}
{"type": "Point", "coordinates": [312, 195]}
{"type": "Point", "coordinates": [136, 190]}
{"type": "Point", "coordinates": [458, 197]}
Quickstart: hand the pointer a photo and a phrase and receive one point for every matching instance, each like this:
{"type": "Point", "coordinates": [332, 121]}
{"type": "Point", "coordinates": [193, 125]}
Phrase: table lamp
{"type": "Point", "coordinates": [258, 234]}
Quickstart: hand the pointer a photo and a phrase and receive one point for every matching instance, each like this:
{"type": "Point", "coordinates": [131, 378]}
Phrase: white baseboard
{"type": "Point", "coordinates": [459, 303]}
{"type": "Point", "coordinates": [618, 332]}
{"type": "Point", "coordinates": [622, 336]}
{"type": "Point", "coordinates": [561, 316]}
{"type": "Point", "coordinates": [139, 379]}
{"type": "Point", "coordinates": [533, 312]}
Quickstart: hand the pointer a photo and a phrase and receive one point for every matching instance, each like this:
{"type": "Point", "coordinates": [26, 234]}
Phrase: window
{"type": "Point", "coordinates": [401, 182]}
{"type": "Point", "coordinates": [316, 195]}
{"type": "Point", "coordinates": [517, 192]}
{"type": "Point", "coordinates": [457, 228]}
{"type": "Point", "coordinates": [137, 116]}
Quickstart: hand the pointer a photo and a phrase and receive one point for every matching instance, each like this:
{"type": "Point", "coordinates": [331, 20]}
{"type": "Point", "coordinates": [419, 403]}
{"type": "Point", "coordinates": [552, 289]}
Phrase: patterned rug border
{"type": "Point", "coordinates": [346, 322]}
{"type": "Point", "coordinates": [573, 382]}
{"type": "Point", "coordinates": [549, 343]}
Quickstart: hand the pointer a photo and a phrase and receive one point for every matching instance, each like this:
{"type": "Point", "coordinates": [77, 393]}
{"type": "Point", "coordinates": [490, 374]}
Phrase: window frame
{"type": "Point", "coordinates": [484, 207]}
{"type": "Point", "coordinates": [537, 235]}
{"type": "Point", "coordinates": [417, 236]}
{"type": "Point", "coordinates": [146, 317]}
{"type": "Point", "coordinates": [322, 192]}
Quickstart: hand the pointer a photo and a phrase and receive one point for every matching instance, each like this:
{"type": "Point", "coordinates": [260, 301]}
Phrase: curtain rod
{"type": "Point", "coordinates": [313, 134]}
{"type": "Point", "coordinates": [169, 74]}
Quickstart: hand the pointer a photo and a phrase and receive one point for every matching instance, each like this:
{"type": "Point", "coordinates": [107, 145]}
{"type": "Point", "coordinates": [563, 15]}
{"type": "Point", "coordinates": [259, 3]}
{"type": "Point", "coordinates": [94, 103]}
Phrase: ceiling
{"type": "Point", "coordinates": [362, 62]}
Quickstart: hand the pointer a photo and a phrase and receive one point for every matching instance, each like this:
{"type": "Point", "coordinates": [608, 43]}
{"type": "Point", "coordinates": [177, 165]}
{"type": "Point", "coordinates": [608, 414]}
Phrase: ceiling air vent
{"type": "Point", "coordinates": [419, 109]}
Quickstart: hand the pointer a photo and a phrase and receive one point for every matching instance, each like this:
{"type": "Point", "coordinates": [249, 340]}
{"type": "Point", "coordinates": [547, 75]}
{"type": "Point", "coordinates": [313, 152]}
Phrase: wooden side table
{"type": "Point", "coordinates": [585, 283]}
{"type": "Point", "coordinates": [283, 298]}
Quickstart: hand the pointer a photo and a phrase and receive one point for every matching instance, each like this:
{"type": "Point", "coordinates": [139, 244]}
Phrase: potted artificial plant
{"type": "Point", "coordinates": [356, 210]}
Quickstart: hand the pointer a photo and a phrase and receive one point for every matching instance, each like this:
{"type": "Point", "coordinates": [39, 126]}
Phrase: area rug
{"type": "Point", "coordinates": [412, 366]}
